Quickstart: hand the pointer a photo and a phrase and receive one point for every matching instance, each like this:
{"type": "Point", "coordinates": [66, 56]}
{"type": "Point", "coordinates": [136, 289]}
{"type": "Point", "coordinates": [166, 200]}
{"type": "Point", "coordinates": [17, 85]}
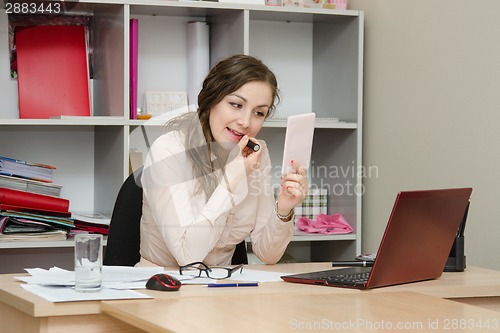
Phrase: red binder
{"type": "Point", "coordinates": [12, 208]}
{"type": "Point", "coordinates": [34, 201]}
{"type": "Point", "coordinates": [53, 75]}
{"type": "Point", "coordinates": [91, 227]}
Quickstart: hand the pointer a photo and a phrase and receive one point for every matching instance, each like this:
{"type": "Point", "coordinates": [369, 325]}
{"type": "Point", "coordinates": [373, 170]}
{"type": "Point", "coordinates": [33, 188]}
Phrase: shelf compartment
{"type": "Point", "coordinates": [89, 160]}
{"type": "Point", "coordinates": [300, 236]}
{"type": "Point", "coordinates": [68, 243]}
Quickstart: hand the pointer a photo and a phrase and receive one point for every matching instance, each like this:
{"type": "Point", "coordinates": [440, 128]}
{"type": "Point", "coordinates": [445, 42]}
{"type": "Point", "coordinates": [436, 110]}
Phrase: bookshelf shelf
{"type": "Point", "coordinates": [319, 124]}
{"type": "Point", "coordinates": [300, 236]}
{"type": "Point", "coordinates": [319, 66]}
{"type": "Point", "coordinates": [69, 243]}
{"type": "Point", "coordinates": [107, 121]}
{"type": "Point", "coordinates": [267, 124]}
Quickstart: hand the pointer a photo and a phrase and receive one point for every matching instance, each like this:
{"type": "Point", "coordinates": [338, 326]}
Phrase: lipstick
{"type": "Point", "coordinates": [252, 145]}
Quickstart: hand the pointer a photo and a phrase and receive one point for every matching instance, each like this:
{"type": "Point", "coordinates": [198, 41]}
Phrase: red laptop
{"type": "Point", "coordinates": [415, 245]}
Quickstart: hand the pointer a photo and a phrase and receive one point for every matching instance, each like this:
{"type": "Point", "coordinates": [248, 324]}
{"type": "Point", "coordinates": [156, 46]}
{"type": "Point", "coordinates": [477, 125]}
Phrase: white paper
{"type": "Point", "coordinates": [69, 294]}
{"type": "Point", "coordinates": [57, 284]}
{"type": "Point", "coordinates": [112, 276]}
{"type": "Point", "coordinates": [251, 275]}
{"type": "Point", "coordinates": [190, 279]}
{"type": "Point", "coordinates": [92, 217]}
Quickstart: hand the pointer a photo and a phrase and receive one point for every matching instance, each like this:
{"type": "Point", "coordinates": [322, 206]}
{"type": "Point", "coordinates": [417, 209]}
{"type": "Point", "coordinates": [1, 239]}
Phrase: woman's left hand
{"type": "Point", "coordinates": [294, 187]}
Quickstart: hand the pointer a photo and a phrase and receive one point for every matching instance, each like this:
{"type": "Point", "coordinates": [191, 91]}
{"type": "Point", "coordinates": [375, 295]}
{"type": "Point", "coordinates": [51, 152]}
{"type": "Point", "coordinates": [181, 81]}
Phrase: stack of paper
{"type": "Point", "coordinates": [57, 284]}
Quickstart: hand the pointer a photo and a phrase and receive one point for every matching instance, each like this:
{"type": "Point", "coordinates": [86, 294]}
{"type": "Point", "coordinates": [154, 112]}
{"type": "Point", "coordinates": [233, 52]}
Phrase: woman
{"type": "Point", "coordinates": [204, 190]}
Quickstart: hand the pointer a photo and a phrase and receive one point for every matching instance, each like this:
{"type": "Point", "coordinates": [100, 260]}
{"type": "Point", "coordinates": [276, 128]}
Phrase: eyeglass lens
{"type": "Point", "coordinates": [213, 273]}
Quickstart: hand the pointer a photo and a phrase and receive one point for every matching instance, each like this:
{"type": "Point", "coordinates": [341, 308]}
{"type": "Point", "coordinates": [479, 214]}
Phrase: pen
{"type": "Point", "coordinates": [246, 284]}
{"type": "Point", "coordinates": [358, 263]}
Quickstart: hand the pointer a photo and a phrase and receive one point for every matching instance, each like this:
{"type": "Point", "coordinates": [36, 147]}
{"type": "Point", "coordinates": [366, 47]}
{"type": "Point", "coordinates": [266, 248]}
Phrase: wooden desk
{"type": "Point", "coordinates": [360, 312]}
{"type": "Point", "coordinates": [21, 311]}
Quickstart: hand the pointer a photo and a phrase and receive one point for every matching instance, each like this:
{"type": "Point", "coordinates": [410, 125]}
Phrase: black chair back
{"type": "Point", "coordinates": [124, 235]}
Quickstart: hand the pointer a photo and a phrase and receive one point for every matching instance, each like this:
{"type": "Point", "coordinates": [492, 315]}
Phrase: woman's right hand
{"type": "Point", "coordinates": [251, 158]}
{"type": "Point", "coordinates": [242, 162]}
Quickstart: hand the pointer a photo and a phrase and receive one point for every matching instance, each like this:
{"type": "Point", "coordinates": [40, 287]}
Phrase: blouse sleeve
{"type": "Point", "coordinates": [271, 236]}
{"type": "Point", "coordinates": [189, 224]}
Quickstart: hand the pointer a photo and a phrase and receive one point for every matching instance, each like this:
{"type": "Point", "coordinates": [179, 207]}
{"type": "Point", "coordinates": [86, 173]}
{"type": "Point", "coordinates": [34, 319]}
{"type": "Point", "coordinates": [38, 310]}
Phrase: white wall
{"type": "Point", "coordinates": [432, 111]}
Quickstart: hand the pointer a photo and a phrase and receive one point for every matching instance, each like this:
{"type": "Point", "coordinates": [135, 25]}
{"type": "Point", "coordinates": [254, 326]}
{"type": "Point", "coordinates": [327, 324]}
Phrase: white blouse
{"type": "Point", "coordinates": [179, 227]}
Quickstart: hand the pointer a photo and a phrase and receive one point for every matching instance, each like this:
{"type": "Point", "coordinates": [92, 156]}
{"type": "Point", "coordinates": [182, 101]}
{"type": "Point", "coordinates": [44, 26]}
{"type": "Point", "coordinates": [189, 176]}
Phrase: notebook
{"type": "Point", "coordinates": [415, 245]}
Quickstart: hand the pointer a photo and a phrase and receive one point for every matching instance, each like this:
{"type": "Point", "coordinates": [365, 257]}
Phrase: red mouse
{"type": "Point", "coordinates": [163, 282]}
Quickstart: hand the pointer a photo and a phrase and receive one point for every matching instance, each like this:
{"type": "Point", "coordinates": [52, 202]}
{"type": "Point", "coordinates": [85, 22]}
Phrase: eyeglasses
{"type": "Point", "coordinates": [218, 273]}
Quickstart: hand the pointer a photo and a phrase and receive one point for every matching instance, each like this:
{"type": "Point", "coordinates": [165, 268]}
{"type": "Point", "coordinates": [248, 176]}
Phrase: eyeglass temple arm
{"type": "Point", "coordinates": [234, 269]}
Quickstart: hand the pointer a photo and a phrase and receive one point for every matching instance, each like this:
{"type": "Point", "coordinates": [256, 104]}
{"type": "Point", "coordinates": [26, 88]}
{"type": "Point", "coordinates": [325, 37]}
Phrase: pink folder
{"type": "Point", "coordinates": [134, 50]}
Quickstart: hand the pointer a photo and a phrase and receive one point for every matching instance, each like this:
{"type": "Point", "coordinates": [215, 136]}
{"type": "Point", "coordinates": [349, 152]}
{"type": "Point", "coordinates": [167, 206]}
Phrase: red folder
{"type": "Point", "coordinates": [53, 77]}
{"type": "Point", "coordinates": [33, 201]}
{"type": "Point", "coordinates": [12, 208]}
{"type": "Point", "coordinates": [91, 227]}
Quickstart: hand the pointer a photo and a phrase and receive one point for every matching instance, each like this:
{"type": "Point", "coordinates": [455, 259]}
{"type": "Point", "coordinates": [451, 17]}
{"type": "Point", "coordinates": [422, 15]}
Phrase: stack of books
{"type": "Point", "coordinates": [30, 185]}
{"type": "Point", "coordinates": [23, 169]}
{"type": "Point", "coordinates": [28, 177]}
{"type": "Point", "coordinates": [31, 207]}
{"type": "Point", "coordinates": [32, 216]}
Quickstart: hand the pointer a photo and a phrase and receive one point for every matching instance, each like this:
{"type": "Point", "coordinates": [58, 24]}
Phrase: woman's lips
{"type": "Point", "coordinates": [235, 135]}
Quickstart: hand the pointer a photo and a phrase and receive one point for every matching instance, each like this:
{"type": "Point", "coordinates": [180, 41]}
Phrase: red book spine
{"type": "Point", "coordinates": [33, 200]}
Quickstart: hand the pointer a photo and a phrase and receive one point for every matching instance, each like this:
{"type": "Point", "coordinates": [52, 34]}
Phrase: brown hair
{"type": "Point", "coordinates": [226, 77]}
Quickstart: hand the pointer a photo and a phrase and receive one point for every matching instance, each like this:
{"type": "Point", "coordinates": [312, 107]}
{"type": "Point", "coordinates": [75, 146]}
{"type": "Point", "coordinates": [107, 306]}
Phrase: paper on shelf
{"type": "Point", "coordinates": [91, 217]}
{"type": "Point", "coordinates": [198, 58]}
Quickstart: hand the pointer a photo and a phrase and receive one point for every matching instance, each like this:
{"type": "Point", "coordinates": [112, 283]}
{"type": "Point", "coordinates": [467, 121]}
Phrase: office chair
{"type": "Point", "coordinates": [124, 236]}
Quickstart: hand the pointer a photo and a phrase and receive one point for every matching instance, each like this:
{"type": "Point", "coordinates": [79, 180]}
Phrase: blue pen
{"type": "Point", "coordinates": [245, 284]}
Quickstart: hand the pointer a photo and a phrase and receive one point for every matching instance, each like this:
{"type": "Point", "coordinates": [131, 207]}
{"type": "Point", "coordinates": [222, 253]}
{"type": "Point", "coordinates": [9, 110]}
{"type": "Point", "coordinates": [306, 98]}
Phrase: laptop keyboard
{"type": "Point", "coordinates": [350, 279]}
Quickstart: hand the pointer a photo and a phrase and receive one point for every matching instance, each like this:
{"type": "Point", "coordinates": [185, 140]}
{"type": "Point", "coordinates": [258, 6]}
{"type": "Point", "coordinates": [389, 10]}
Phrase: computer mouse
{"type": "Point", "coordinates": [163, 282]}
